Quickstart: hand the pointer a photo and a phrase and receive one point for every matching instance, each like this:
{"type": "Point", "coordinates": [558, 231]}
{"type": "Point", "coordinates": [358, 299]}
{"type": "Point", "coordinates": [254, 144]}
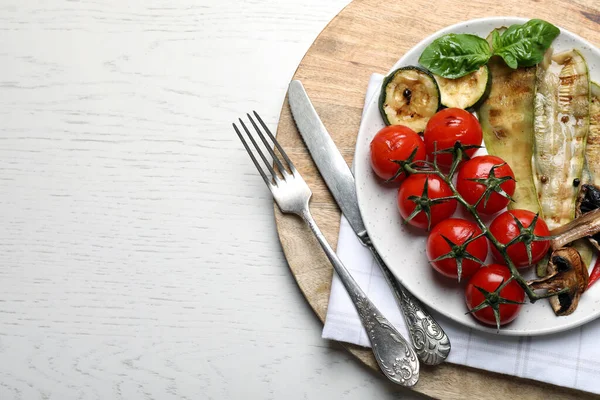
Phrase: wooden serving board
{"type": "Point", "coordinates": [369, 36]}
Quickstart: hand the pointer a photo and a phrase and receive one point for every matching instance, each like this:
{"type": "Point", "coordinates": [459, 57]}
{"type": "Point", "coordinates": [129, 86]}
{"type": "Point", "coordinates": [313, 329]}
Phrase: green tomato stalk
{"type": "Point", "coordinates": [492, 184]}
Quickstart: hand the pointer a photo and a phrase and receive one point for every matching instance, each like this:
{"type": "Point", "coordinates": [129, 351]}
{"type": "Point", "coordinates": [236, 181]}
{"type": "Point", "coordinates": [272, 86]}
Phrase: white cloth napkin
{"type": "Point", "coordinates": [569, 359]}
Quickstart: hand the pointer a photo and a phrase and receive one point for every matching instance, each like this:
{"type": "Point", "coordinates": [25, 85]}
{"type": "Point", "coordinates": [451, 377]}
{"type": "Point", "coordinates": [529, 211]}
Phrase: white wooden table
{"type": "Point", "coordinates": [139, 257]}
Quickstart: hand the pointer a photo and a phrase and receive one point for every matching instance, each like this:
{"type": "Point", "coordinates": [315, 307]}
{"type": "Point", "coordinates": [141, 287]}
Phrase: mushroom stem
{"type": "Point", "coordinates": [586, 225]}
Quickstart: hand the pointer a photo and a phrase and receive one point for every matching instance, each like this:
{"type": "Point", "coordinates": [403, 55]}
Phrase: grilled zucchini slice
{"type": "Point", "coordinates": [506, 119]}
{"type": "Point", "coordinates": [592, 148]}
{"type": "Point", "coordinates": [595, 118]}
{"type": "Point", "coordinates": [409, 96]}
{"type": "Point", "coordinates": [562, 116]}
{"type": "Point", "coordinates": [591, 173]}
{"type": "Point", "coordinates": [466, 92]}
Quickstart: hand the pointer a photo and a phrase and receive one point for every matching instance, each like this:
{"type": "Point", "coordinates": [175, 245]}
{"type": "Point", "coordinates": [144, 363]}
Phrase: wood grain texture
{"type": "Point", "coordinates": [369, 36]}
{"type": "Point", "coordinates": [138, 252]}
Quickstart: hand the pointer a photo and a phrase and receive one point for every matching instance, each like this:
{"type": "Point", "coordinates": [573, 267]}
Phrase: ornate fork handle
{"type": "Point", "coordinates": [428, 338]}
{"type": "Point", "coordinates": [393, 353]}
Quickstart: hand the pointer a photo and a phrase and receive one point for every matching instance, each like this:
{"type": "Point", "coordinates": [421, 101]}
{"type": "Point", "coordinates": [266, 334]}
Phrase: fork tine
{"type": "Point", "coordinates": [260, 152]}
{"type": "Point", "coordinates": [254, 160]}
{"type": "Point", "coordinates": [264, 140]}
{"type": "Point", "coordinates": [283, 153]}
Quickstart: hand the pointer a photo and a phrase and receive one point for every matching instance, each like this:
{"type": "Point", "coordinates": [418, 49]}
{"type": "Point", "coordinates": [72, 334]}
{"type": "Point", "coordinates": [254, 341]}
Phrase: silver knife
{"type": "Point", "coordinates": [431, 343]}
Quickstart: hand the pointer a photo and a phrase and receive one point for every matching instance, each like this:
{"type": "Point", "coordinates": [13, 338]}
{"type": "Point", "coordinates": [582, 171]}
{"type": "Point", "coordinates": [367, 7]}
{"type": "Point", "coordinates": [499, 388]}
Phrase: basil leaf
{"type": "Point", "coordinates": [511, 60]}
{"type": "Point", "coordinates": [496, 40]}
{"type": "Point", "coordinates": [525, 45]}
{"type": "Point", "coordinates": [455, 55]}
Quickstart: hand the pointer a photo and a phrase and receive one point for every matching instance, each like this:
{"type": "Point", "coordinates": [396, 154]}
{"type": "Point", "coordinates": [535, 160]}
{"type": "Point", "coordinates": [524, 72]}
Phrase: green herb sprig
{"type": "Point", "coordinates": [522, 45]}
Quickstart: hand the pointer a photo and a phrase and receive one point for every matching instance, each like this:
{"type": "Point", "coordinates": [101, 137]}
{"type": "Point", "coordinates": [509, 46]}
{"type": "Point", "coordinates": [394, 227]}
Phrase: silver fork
{"type": "Point", "coordinates": [393, 353]}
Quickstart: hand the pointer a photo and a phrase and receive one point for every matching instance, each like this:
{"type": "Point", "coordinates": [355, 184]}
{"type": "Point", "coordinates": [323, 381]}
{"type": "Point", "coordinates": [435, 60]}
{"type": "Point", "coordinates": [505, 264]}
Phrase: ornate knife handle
{"type": "Point", "coordinates": [393, 353]}
{"type": "Point", "coordinates": [428, 338]}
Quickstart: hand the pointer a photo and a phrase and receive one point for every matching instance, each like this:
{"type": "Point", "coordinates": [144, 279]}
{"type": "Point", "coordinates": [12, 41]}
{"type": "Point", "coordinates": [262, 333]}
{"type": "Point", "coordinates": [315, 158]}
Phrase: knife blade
{"type": "Point", "coordinates": [431, 343]}
{"type": "Point", "coordinates": [329, 161]}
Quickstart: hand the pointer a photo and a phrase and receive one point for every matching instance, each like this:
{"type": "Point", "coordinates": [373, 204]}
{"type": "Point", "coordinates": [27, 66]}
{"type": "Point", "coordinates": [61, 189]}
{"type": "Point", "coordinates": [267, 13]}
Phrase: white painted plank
{"type": "Point", "coordinates": [138, 252]}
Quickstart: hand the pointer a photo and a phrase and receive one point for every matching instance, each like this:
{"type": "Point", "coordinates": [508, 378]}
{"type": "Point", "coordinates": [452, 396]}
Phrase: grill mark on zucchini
{"type": "Point", "coordinates": [592, 148]}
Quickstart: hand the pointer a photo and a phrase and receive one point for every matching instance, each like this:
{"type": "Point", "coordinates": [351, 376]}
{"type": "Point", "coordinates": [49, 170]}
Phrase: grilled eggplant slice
{"type": "Point", "coordinates": [562, 110]}
{"type": "Point", "coordinates": [409, 96]}
{"type": "Point", "coordinates": [506, 118]}
{"type": "Point", "coordinates": [466, 92]}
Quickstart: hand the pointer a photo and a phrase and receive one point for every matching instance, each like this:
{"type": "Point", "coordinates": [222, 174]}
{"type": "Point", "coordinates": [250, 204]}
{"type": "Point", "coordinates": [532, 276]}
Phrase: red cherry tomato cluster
{"type": "Point", "coordinates": [456, 247]}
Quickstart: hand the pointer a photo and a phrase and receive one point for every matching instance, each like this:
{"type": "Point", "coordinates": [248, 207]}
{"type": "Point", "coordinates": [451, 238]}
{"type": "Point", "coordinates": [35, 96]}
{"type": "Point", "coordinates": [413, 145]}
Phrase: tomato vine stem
{"type": "Point", "coordinates": [458, 156]}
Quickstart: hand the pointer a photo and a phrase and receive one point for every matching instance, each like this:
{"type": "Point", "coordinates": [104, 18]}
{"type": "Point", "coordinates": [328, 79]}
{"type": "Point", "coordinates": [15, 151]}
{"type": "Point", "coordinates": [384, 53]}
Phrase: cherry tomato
{"type": "Point", "coordinates": [447, 127]}
{"type": "Point", "coordinates": [504, 229]}
{"type": "Point", "coordinates": [489, 278]}
{"type": "Point", "coordinates": [479, 168]}
{"type": "Point", "coordinates": [458, 231]}
{"type": "Point", "coordinates": [395, 142]}
{"type": "Point", "coordinates": [414, 185]}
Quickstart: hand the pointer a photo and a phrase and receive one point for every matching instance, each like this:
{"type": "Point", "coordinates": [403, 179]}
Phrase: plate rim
{"type": "Point", "coordinates": [372, 102]}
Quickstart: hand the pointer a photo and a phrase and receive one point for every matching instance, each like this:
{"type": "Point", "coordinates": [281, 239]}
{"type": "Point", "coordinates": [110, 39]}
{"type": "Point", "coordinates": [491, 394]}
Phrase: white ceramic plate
{"type": "Point", "coordinates": [403, 248]}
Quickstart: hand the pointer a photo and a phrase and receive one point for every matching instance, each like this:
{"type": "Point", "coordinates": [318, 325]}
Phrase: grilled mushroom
{"type": "Point", "coordinates": [588, 225]}
{"type": "Point", "coordinates": [566, 270]}
{"type": "Point", "coordinates": [589, 200]}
